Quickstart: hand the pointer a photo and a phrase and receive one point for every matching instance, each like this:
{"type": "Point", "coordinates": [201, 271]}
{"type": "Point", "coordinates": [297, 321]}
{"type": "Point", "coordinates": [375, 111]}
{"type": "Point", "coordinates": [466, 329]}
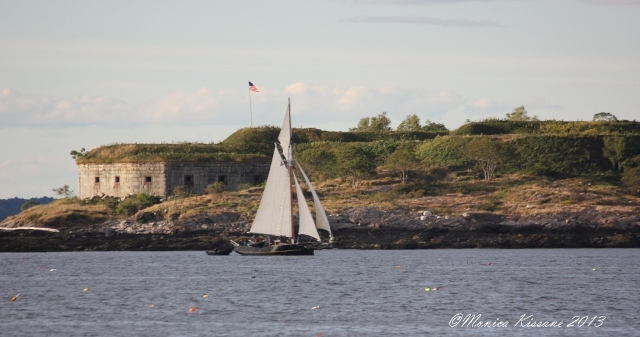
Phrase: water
{"type": "Point", "coordinates": [354, 293]}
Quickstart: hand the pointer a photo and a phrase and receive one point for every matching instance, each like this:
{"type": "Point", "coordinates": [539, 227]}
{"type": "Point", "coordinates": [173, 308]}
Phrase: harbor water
{"type": "Point", "coordinates": [469, 292]}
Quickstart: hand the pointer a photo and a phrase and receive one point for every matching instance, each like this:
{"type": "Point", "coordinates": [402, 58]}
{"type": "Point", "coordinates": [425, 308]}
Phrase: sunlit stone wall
{"type": "Point", "coordinates": [160, 179]}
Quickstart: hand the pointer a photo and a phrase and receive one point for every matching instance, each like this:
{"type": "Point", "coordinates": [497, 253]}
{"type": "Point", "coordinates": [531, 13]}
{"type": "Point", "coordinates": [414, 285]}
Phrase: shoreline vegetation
{"type": "Point", "coordinates": [489, 184]}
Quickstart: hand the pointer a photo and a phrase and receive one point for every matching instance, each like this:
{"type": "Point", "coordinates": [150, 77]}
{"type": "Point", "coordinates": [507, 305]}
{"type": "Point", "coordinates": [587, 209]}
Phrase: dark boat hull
{"type": "Point", "coordinates": [282, 249]}
{"type": "Point", "coordinates": [217, 251]}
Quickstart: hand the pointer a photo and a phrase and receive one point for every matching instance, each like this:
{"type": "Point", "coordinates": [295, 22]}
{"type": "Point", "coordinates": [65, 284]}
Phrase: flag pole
{"type": "Point", "coordinates": [250, 108]}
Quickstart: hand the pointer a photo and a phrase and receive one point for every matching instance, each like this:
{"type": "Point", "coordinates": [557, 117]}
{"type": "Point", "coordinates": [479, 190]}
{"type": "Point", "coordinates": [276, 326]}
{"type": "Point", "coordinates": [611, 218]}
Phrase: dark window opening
{"type": "Point", "coordinates": [97, 180]}
{"type": "Point", "coordinates": [147, 180]}
{"type": "Point", "coordinates": [222, 179]}
{"type": "Point", "coordinates": [257, 180]}
{"type": "Point", "coordinates": [117, 179]}
{"type": "Point", "coordinates": [188, 180]}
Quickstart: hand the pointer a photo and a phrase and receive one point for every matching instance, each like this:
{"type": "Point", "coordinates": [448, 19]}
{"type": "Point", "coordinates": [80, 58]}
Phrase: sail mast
{"type": "Point", "coordinates": [290, 164]}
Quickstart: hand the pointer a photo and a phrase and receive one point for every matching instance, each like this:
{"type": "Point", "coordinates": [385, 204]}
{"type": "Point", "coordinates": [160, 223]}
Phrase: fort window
{"type": "Point", "coordinates": [117, 180]}
{"type": "Point", "coordinates": [257, 180]}
{"type": "Point", "coordinates": [188, 180]}
{"type": "Point", "coordinates": [96, 180]}
{"type": "Point", "coordinates": [147, 180]}
{"type": "Point", "coordinates": [222, 179]}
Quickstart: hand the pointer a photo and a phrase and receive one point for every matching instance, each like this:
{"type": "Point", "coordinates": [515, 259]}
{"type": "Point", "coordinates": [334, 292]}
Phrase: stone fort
{"type": "Point", "coordinates": [161, 178]}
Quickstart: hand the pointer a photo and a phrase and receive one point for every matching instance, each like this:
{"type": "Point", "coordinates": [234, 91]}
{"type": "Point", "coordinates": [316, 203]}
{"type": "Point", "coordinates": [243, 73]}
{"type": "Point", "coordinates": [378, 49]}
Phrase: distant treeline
{"type": "Point", "coordinates": [10, 207]}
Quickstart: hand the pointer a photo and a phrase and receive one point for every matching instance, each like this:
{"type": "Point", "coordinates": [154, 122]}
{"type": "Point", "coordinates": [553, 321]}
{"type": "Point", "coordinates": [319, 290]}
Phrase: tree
{"type": "Point", "coordinates": [409, 124]}
{"type": "Point", "coordinates": [63, 191]}
{"type": "Point", "coordinates": [318, 162]}
{"type": "Point", "coordinates": [617, 149]}
{"type": "Point", "coordinates": [402, 161]}
{"type": "Point", "coordinates": [519, 114]}
{"type": "Point", "coordinates": [77, 154]}
{"type": "Point", "coordinates": [355, 162]}
{"type": "Point", "coordinates": [488, 153]}
{"type": "Point", "coordinates": [380, 123]}
{"type": "Point", "coordinates": [604, 117]}
{"type": "Point", "coordinates": [430, 126]}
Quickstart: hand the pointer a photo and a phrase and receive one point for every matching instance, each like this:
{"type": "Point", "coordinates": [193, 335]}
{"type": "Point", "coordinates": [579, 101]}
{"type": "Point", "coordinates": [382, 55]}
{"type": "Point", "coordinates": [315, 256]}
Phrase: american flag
{"type": "Point", "coordinates": [253, 87]}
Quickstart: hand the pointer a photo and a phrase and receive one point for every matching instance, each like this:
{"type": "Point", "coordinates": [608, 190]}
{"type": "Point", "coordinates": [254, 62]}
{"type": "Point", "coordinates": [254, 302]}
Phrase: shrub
{"type": "Point", "coordinates": [132, 205]}
{"type": "Point", "coordinates": [631, 179]}
{"type": "Point", "coordinates": [217, 188]}
{"type": "Point", "coordinates": [180, 191]}
{"type": "Point", "coordinates": [245, 186]}
{"type": "Point", "coordinates": [28, 204]}
{"type": "Point", "coordinates": [127, 207]}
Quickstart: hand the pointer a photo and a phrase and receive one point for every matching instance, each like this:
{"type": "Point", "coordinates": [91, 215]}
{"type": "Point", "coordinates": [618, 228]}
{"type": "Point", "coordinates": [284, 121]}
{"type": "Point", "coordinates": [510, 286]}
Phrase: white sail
{"type": "Point", "coordinates": [306, 225]}
{"type": "Point", "coordinates": [274, 213]}
{"type": "Point", "coordinates": [322, 222]}
{"type": "Point", "coordinates": [285, 135]}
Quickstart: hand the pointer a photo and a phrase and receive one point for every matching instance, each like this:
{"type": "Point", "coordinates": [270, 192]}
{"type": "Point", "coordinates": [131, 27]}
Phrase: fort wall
{"type": "Point", "coordinates": [122, 179]}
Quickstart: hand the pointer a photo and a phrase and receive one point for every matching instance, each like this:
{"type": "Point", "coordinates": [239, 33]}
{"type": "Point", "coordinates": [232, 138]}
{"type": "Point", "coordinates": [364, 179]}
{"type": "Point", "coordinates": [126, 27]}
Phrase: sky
{"type": "Point", "coordinates": [80, 74]}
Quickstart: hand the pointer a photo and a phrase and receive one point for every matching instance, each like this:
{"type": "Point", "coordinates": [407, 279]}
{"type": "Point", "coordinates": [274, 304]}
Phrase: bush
{"type": "Point", "coordinates": [111, 202]}
{"type": "Point", "coordinates": [216, 188]}
{"type": "Point", "coordinates": [180, 191]}
{"type": "Point", "coordinates": [242, 187]}
{"type": "Point", "coordinates": [28, 204]}
{"type": "Point", "coordinates": [140, 201]}
{"type": "Point", "coordinates": [631, 179]}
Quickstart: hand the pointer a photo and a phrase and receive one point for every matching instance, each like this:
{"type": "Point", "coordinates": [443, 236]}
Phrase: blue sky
{"type": "Point", "coordinates": [79, 74]}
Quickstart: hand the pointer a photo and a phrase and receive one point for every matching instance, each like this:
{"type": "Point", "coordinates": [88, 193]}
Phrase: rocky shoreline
{"type": "Point", "coordinates": [358, 228]}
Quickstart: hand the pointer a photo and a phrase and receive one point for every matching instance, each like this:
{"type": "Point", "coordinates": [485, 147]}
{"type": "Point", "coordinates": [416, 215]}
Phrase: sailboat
{"type": "Point", "coordinates": [275, 217]}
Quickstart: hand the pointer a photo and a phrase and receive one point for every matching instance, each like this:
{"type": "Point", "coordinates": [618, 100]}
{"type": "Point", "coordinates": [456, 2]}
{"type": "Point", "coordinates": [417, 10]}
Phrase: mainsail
{"type": "Point", "coordinates": [274, 213]}
{"type": "Point", "coordinates": [285, 135]}
{"type": "Point", "coordinates": [322, 222]}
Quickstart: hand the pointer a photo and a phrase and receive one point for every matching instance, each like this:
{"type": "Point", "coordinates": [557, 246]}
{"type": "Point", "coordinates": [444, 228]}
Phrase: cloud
{"type": "Point", "coordinates": [317, 104]}
{"type": "Point", "coordinates": [486, 107]}
{"type": "Point", "coordinates": [204, 105]}
{"type": "Point", "coordinates": [539, 103]}
{"type": "Point", "coordinates": [322, 106]}
{"type": "Point", "coordinates": [420, 20]}
{"type": "Point", "coordinates": [611, 2]}
{"type": "Point", "coordinates": [18, 109]}
{"type": "Point", "coordinates": [183, 105]}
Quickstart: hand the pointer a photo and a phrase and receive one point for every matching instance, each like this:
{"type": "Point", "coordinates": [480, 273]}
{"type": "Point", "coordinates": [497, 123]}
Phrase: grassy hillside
{"type": "Point", "coordinates": [12, 206]}
{"type": "Point", "coordinates": [246, 144]}
{"type": "Point", "coordinates": [503, 127]}
{"type": "Point", "coordinates": [544, 148]}
{"type": "Point", "coordinates": [188, 152]}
